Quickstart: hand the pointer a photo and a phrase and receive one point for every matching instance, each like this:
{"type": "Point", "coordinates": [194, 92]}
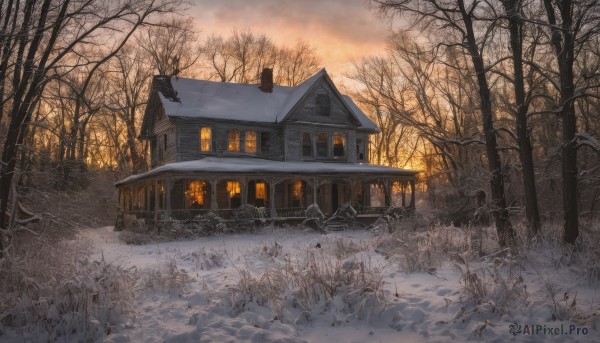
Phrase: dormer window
{"type": "Point", "coordinates": [323, 104]}
{"type": "Point", "coordinates": [339, 145]}
{"type": "Point", "coordinates": [234, 140]}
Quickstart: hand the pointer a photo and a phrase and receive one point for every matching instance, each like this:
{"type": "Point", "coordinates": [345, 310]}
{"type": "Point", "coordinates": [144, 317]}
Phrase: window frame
{"type": "Point", "coordinates": [323, 102]}
{"type": "Point", "coordinates": [204, 140]}
{"type": "Point", "coordinates": [344, 137]}
{"type": "Point", "coordinates": [255, 142]}
{"type": "Point", "coordinates": [229, 140]}
{"type": "Point", "coordinates": [327, 138]}
{"type": "Point", "coordinates": [310, 145]}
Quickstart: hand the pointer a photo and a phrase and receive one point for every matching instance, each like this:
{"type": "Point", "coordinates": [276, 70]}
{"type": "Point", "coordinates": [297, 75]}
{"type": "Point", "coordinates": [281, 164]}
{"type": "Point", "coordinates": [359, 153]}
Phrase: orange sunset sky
{"type": "Point", "coordinates": [341, 31]}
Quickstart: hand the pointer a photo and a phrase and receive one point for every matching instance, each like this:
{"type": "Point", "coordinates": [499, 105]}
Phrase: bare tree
{"type": "Point", "coordinates": [514, 11]}
{"type": "Point", "coordinates": [242, 57]}
{"type": "Point", "coordinates": [572, 24]}
{"type": "Point", "coordinates": [173, 45]}
{"type": "Point", "coordinates": [460, 20]}
{"type": "Point", "coordinates": [48, 42]}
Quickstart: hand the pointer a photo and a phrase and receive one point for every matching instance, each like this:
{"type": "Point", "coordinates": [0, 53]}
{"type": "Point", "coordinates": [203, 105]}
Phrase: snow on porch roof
{"type": "Point", "coordinates": [246, 102]}
{"type": "Point", "coordinates": [234, 165]}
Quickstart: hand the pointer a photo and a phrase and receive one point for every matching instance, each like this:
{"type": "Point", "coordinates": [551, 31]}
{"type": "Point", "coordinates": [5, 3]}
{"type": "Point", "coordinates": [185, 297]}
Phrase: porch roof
{"type": "Point", "coordinates": [233, 165]}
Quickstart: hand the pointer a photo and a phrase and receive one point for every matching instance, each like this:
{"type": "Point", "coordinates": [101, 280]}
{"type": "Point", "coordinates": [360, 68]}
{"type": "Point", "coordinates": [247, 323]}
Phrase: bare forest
{"type": "Point", "coordinates": [496, 103]}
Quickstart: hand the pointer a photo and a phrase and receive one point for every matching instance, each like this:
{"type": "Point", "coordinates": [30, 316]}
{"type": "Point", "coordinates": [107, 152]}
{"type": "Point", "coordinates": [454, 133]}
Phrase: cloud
{"type": "Point", "coordinates": [340, 30]}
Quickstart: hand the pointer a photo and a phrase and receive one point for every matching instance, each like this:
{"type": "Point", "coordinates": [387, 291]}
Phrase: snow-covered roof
{"type": "Point", "coordinates": [191, 98]}
{"type": "Point", "coordinates": [215, 165]}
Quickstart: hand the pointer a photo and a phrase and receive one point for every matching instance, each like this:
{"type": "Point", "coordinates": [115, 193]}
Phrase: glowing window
{"type": "Point", "coordinates": [233, 187]}
{"type": "Point", "coordinates": [339, 145]}
{"type": "Point", "coordinates": [234, 140]}
{"type": "Point", "coordinates": [206, 139]}
{"type": "Point", "coordinates": [261, 191]}
{"type": "Point", "coordinates": [195, 194]}
{"type": "Point", "coordinates": [250, 142]}
{"type": "Point", "coordinates": [297, 190]}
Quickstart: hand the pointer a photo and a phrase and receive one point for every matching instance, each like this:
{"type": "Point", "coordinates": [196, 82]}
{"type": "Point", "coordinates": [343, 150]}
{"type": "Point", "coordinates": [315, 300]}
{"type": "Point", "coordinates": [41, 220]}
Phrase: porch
{"type": "Point", "coordinates": [280, 190]}
{"type": "Point", "coordinates": [184, 197]}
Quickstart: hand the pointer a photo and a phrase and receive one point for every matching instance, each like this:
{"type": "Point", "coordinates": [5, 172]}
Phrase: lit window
{"type": "Point", "coordinates": [322, 144]}
{"type": "Point", "coordinates": [205, 139]}
{"type": "Point", "coordinates": [306, 145]}
{"type": "Point", "coordinates": [234, 140]}
{"type": "Point", "coordinates": [161, 195]}
{"type": "Point", "coordinates": [339, 145]}
{"type": "Point", "coordinates": [233, 188]}
{"type": "Point", "coordinates": [196, 194]}
{"type": "Point", "coordinates": [297, 190]}
{"type": "Point", "coordinates": [250, 142]}
{"type": "Point", "coordinates": [261, 193]}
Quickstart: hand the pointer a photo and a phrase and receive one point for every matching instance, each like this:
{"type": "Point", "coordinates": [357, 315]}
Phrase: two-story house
{"type": "Point", "coordinates": [217, 145]}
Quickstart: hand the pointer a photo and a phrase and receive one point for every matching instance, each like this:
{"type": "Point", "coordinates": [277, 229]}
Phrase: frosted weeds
{"type": "Point", "coordinates": [290, 285]}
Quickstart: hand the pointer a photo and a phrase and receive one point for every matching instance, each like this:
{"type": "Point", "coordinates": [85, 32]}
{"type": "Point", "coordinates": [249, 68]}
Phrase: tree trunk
{"type": "Point", "coordinates": [513, 10]}
{"type": "Point", "coordinates": [563, 40]}
{"type": "Point", "coordinates": [504, 228]}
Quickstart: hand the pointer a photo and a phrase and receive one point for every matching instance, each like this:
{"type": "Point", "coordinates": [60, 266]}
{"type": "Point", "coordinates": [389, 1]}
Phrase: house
{"type": "Point", "coordinates": [217, 145]}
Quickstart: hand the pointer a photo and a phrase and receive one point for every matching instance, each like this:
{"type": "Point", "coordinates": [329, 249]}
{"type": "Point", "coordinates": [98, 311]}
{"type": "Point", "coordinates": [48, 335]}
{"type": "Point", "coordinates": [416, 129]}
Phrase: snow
{"type": "Point", "coordinates": [245, 102]}
{"type": "Point", "coordinates": [256, 165]}
{"type": "Point", "coordinates": [419, 306]}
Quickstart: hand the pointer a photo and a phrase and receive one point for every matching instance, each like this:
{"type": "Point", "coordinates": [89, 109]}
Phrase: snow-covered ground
{"type": "Point", "coordinates": [289, 285]}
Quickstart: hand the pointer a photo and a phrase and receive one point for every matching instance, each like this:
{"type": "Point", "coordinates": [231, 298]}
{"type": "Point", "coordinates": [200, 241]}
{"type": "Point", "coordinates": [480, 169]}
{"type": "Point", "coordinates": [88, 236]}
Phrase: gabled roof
{"type": "Point", "coordinates": [190, 98]}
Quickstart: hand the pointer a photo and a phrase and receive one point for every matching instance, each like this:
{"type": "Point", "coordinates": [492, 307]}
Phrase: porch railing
{"type": "Point", "coordinates": [229, 214]}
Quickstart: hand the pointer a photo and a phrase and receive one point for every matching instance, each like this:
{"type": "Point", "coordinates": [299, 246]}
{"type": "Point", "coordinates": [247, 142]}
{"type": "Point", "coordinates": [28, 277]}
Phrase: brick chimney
{"type": "Point", "coordinates": [266, 80]}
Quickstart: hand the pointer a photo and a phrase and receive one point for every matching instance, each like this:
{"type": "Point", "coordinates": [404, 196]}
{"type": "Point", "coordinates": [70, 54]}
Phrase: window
{"type": "Point", "coordinates": [264, 142]}
{"type": "Point", "coordinates": [162, 195]}
{"type": "Point", "coordinates": [360, 149]}
{"type": "Point", "coordinates": [195, 194]}
{"type": "Point", "coordinates": [233, 188]}
{"type": "Point", "coordinates": [322, 144]}
{"type": "Point", "coordinates": [261, 193]}
{"type": "Point", "coordinates": [234, 140]}
{"type": "Point", "coordinates": [307, 145]}
{"type": "Point", "coordinates": [339, 145]}
{"type": "Point", "coordinates": [250, 142]}
{"type": "Point", "coordinates": [165, 138]}
{"type": "Point", "coordinates": [323, 104]}
{"type": "Point", "coordinates": [205, 139]}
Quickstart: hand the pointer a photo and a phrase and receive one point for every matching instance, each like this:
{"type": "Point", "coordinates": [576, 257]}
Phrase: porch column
{"type": "Point", "coordinates": [272, 198]}
{"type": "Point", "coordinates": [315, 186]}
{"type": "Point", "coordinates": [403, 194]}
{"type": "Point", "coordinates": [352, 183]}
{"type": "Point", "coordinates": [243, 190]}
{"type": "Point", "coordinates": [412, 193]}
{"type": "Point", "coordinates": [213, 194]}
{"type": "Point", "coordinates": [388, 192]}
{"type": "Point", "coordinates": [168, 191]}
{"type": "Point", "coordinates": [155, 201]}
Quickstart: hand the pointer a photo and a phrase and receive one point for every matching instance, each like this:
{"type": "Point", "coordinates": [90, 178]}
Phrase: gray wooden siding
{"type": "Point", "coordinates": [163, 126]}
{"type": "Point", "coordinates": [308, 110]}
{"type": "Point", "coordinates": [188, 133]}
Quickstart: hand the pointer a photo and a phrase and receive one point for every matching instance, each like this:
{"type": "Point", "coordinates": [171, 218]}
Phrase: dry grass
{"type": "Point", "coordinates": [313, 278]}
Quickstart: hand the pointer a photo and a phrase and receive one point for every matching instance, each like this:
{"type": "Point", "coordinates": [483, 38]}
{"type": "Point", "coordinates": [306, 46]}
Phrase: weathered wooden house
{"type": "Point", "coordinates": [217, 145]}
